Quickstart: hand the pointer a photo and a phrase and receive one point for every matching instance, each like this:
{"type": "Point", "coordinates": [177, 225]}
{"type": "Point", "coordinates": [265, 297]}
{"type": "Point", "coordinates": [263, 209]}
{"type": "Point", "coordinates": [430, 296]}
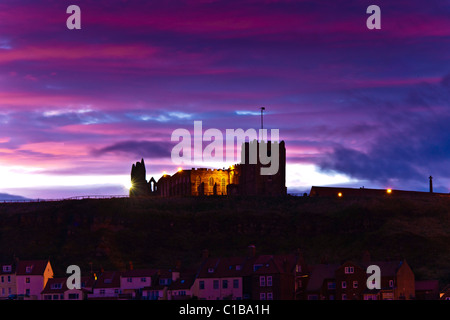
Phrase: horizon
{"type": "Point", "coordinates": [355, 107]}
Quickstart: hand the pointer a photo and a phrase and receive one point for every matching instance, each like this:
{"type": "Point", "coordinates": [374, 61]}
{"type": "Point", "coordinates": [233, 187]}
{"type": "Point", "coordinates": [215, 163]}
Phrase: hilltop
{"type": "Point", "coordinates": [158, 232]}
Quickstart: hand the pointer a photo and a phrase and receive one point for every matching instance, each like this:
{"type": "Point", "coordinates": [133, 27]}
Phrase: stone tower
{"type": "Point", "coordinates": [139, 185]}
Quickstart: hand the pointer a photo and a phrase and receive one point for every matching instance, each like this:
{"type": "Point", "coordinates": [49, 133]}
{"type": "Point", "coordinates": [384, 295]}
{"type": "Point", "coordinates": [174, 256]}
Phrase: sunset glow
{"type": "Point", "coordinates": [356, 107]}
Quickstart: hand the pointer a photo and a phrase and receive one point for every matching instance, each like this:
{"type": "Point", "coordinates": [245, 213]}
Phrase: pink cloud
{"type": "Point", "coordinates": [64, 52]}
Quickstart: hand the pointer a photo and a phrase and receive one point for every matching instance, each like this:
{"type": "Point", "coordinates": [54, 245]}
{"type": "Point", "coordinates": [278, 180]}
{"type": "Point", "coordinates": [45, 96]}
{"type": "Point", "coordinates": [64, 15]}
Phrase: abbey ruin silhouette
{"type": "Point", "coordinates": [240, 179]}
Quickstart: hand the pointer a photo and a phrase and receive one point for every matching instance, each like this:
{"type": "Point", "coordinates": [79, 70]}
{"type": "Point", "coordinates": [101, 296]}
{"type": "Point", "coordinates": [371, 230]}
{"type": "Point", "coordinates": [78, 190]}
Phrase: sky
{"type": "Point", "coordinates": [355, 107]}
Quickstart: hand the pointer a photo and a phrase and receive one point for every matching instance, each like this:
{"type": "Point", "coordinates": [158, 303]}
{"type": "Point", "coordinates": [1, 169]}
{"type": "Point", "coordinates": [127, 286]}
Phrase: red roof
{"type": "Point", "coordinates": [55, 285]}
{"type": "Point", "coordinates": [243, 266]}
{"type": "Point", "coordinates": [59, 285]}
{"type": "Point", "coordinates": [222, 267]}
{"type": "Point", "coordinates": [108, 279]}
{"type": "Point", "coordinates": [31, 267]}
{"type": "Point", "coordinates": [319, 273]}
{"type": "Point", "coordinates": [138, 273]}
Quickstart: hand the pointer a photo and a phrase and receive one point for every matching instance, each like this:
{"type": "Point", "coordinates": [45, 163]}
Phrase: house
{"type": "Point", "coordinates": [133, 281]}
{"type": "Point", "coordinates": [397, 280]}
{"type": "Point", "coordinates": [350, 281]}
{"type": "Point", "coordinates": [7, 280]}
{"type": "Point", "coordinates": [107, 286]}
{"type": "Point", "coordinates": [273, 277]}
{"type": "Point", "coordinates": [220, 279]}
{"type": "Point", "coordinates": [181, 289]}
{"type": "Point", "coordinates": [154, 292]}
{"type": "Point", "coordinates": [32, 276]}
{"type": "Point", "coordinates": [321, 282]}
{"type": "Point", "coordinates": [56, 289]}
{"type": "Point", "coordinates": [158, 290]}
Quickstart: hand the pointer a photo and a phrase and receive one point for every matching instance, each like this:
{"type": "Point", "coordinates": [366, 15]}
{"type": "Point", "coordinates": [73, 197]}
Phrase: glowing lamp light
{"type": "Point", "coordinates": [164, 173]}
{"type": "Point", "coordinates": [389, 191]}
{"type": "Point", "coordinates": [340, 194]}
{"type": "Point", "coordinates": [128, 185]}
{"type": "Point", "coordinates": [180, 169]}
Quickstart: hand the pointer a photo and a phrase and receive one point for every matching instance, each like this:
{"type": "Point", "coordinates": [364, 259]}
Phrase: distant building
{"type": "Point", "coordinates": [107, 286]}
{"type": "Point", "coordinates": [56, 289]}
{"type": "Point", "coordinates": [240, 179]}
{"type": "Point", "coordinates": [7, 279]}
{"type": "Point", "coordinates": [133, 281]}
{"type": "Point", "coordinates": [342, 192]}
{"type": "Point", "coordinates": [347, 281]}
{"type": "Point", "coordinates": [32, 276]}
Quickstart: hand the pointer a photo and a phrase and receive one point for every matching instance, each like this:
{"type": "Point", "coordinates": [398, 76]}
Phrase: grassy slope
{"type": "Point", "coordinates": [160, 232]}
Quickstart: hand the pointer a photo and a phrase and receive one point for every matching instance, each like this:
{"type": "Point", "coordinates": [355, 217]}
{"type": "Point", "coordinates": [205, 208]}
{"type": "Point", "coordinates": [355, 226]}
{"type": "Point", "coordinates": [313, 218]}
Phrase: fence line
{"type": "Point", "coordinates": [63, 199]}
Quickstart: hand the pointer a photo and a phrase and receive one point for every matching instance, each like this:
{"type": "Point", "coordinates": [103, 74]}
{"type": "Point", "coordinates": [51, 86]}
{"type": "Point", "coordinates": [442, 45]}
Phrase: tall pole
{"type": "Point", "coordinates": [262, 110]}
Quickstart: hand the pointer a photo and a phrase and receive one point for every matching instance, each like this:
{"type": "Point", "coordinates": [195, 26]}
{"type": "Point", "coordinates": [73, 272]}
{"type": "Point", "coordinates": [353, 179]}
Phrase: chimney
{"type": "Point", "coordinates": [431, 184]}
{"type": "Point", "coordinates": [130, 265]}
{"type": "Point", "coordinates": [251, 251]}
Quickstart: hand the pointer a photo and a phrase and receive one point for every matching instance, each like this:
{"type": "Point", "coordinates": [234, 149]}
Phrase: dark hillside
{"type": "Point", "coordinates": [161, 232]}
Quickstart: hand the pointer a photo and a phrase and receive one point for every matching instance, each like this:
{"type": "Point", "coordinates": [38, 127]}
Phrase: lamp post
{"type": "Point", "coordinates": [262, 110]}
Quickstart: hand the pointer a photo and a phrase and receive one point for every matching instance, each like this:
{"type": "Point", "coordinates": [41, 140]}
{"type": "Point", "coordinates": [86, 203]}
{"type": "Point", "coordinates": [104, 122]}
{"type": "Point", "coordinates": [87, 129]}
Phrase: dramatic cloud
{"type": "Point", "coordinates": [414, 142]}
{"type": "Point", "coordinates": [146, 149]}
{"type": "Point", "coordinates": [364, 105]}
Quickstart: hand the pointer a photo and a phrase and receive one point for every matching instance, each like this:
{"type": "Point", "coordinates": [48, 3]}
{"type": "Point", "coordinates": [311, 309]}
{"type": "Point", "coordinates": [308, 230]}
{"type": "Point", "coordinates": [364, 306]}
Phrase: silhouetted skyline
{"type": "Point", "coordinates": [356, 107]}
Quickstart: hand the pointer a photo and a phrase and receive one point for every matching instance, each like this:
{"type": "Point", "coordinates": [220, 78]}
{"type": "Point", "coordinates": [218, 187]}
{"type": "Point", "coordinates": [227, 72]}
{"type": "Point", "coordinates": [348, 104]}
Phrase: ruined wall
{"type": "Point", "coordinates": [241, 179]}
{"type": "Point", "coordinates": [214, 181]}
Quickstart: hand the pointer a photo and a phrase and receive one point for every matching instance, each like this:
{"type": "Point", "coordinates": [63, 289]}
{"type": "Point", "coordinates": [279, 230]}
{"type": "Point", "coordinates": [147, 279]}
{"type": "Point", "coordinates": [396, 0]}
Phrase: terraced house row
{"type": "Point", "coordinates": [247, 277]}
